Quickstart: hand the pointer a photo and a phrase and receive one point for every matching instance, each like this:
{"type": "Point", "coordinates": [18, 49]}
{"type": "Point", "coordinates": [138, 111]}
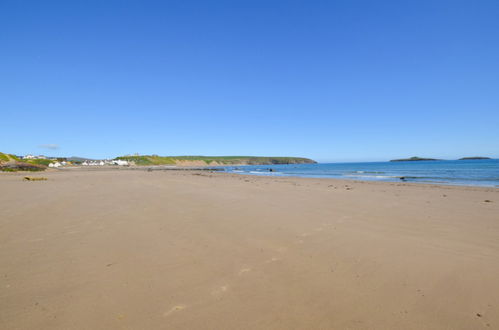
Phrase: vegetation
{"type": "Point", "coordinates": [8, 157]}
{"type": "Point", "coordinates": [412, 159]}
{"type": "Point", "coordinates": [213, 160]}
{"type": "Point", "coordinates": [20, 166]}
{"type": "Point", "coordinates": [34, 178]}
{"type": "Point", "coordinates": [148, 160]}
{"type": "Point", "coordinates": [7, 169]}
{"type": "Point", "coordinates": [12, 163]}
{"type": "Point", "coordinates": [43, 162]}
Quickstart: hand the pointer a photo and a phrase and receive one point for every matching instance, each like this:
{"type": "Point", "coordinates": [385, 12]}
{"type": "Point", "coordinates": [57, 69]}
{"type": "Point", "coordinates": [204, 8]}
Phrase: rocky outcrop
{"type": "Point", "coordinates": [473, 158]}
{"type": "Point", "coordinates": [21, 166]}
{"type": "Point", "coordinates": [412, 159]}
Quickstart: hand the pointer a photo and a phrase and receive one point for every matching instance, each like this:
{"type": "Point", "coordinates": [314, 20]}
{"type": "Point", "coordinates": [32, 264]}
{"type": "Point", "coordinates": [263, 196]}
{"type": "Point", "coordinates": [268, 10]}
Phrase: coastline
{"type": "Point", "coordinates": [199, 249]}
{"type": "Point", "coordinates": [483, 173]}
{"type": "Point", "coordinates": [222, 170]}
{"type": "Point", "coordinates": [397, 183]}
{"type": "Point", "coordinates": [219, 171]}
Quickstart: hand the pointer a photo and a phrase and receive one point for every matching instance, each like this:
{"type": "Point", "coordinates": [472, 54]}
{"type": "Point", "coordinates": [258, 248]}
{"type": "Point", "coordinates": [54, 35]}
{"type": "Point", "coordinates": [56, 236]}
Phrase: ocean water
{"type": "Point", "coordinates": [450, 172]}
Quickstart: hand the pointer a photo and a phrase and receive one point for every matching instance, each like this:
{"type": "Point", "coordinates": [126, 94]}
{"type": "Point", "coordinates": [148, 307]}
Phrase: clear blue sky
{"type": "Point", "coordinates": [330, 80]}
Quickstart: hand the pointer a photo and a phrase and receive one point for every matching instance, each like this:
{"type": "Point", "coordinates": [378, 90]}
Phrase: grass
{"type": "Point", "coordinates": [43, 162]}
{"type": "Point", "coordinates": [7, 169]}
{"type": "Point", "coordinates": [148, 160]}
{"type": "Point", "coordinates": [8, 157]}
{"type": "Point", "coordinates": [14, 164]}
{"type": "Point", "coordinates": [3, 157]}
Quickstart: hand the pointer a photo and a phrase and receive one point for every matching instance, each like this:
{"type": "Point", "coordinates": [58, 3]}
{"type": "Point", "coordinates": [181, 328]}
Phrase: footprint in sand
{"type": "Point", "coordinates": [174, 309]}
{"type": "Point", "coordinates": [244, 270]}
{"type": "Point", "coordinates": [220, 290]}
{"type": "Point", "coordinates": [272, 260]}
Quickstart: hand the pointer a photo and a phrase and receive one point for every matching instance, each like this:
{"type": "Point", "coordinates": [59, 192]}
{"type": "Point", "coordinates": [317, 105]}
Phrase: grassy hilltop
{"type": "Point", "coordinates": [213, 160]}
{"type": "Point", "coordinates": [12, 163]}
{"type": "Point", "coordinates": [8, 158]}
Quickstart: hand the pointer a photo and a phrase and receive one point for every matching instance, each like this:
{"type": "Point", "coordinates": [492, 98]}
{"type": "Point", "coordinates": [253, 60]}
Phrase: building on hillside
{"type": "Point", "coordinates": [94, 163]}
{"type": "Point", "coordinates": [29, 156]}
{"type": "Point", "coordinates": [120, 162]}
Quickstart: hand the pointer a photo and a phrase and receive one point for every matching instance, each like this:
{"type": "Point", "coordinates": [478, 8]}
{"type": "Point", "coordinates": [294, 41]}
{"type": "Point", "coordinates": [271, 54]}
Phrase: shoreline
{"type": "Point", "coordinates": [220, 170]}
{"type": "Point", "coordinates": [371, 181]}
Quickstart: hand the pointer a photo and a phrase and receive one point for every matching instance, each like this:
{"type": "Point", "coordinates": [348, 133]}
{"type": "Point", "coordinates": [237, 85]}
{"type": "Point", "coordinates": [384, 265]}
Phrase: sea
{"type": "Point", "coordinates": [484, 172]}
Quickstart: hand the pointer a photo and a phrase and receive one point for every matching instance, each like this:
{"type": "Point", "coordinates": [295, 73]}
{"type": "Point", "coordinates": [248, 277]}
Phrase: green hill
{"type": "Point", "coordinates": [12, 163]}
{"type": "Point", "coordinates": [8, 158]}
{"type": "Point", "coordinates": [213, 160]}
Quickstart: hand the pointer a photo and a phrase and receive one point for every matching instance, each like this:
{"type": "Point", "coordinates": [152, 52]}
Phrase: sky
{"type": "Point", "coordinates": [344, 80]}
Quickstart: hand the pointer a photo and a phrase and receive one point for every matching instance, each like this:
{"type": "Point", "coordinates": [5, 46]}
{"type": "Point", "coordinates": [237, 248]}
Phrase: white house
{"type": "Point", "coordinates": [93, 163]}
{"type": "Point", "coordinates": [34, 157]}
{"type": "Point", "coordinates": [120, 162]}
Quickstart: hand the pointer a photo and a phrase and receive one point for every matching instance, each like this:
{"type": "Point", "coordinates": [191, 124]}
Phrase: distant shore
{"type": "Point", "coordinates": [277, 171]}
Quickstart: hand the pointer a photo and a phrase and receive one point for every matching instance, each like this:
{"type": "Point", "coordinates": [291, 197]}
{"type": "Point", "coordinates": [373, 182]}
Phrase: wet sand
{"type": "Point", "coordinates": [122, 249]}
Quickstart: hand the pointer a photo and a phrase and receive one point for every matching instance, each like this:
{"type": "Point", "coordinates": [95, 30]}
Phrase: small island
{"type": "Point", "coordinates": [473, 158]}
{"type": "Point", "coordinates": [412, 159]}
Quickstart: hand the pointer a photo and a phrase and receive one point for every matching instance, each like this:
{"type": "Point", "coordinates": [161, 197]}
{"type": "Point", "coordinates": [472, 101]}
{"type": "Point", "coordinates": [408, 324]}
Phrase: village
{"type": "Point", "coordinates": [72, 161]}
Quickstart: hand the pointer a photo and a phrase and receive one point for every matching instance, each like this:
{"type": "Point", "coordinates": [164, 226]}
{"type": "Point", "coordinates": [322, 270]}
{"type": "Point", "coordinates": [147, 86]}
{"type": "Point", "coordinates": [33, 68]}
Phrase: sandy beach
{"type": "Point", "coordinates": [131, 249]}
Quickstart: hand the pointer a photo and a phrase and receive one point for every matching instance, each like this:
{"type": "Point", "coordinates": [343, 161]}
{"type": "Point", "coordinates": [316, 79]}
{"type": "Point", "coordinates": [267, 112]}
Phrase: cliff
{"type": "Point", "coordinates": [213, 160]}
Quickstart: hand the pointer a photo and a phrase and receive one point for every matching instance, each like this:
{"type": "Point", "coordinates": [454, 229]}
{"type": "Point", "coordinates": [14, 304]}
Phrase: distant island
{"type": "Point", "coordinates": [472, 158]}
{"type": "Point", "coordinates": [412, 159]}
{"type": "Point", "coordinates": [212, 160]}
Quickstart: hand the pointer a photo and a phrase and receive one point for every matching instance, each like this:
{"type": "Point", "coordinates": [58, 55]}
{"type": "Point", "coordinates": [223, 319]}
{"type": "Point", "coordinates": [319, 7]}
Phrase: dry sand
{"type": "Point", "coordinates": [183, 250]}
